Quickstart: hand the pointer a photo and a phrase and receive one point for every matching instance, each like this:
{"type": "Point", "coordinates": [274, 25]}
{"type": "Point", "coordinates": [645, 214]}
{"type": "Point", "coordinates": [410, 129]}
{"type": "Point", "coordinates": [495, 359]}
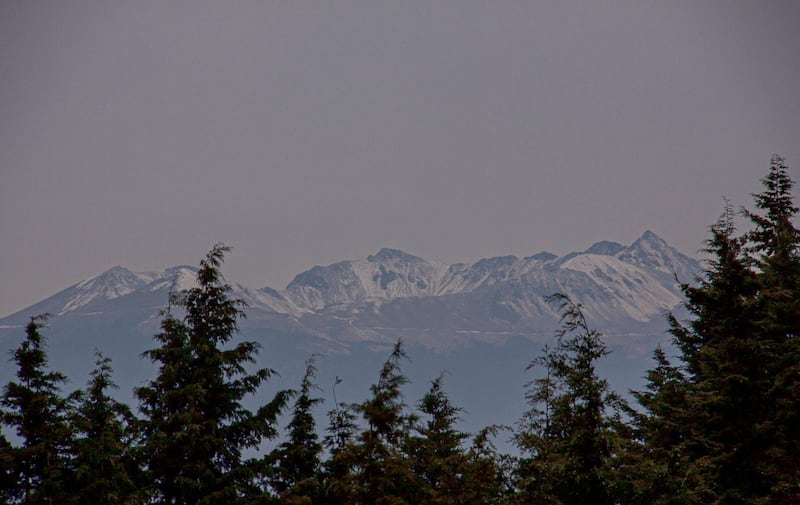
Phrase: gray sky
{"type": "Point", "coordinates": [139, 133]}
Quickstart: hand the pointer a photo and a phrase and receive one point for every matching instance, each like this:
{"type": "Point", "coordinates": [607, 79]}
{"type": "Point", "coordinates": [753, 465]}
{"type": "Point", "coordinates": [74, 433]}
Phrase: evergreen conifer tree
{"type": "Point", "coordinates": [487, 478]}
{"type": "Point", "coordinates": [655, 463]}
{"type": "Point", "coordinates": [775, 251]}
{"type": "Point", "coordinates": [194, 425]}
{"type": "Point", "coordinates": [297, 466]}
{"type": "Point", "coordinates": [566, 437]}
{"type": "Point", "coordinates": [437, 453]}
{"type": "Point", "coordinates": [383, 474]}
{"type": "Point", "coordinates": [102, 447]}
{"type": "Point", "coordinates": [35, 410]}
{"type": "Point", "coordinates": [742, 361]}
{"type": "Point", "coordinates": [338, 478]}
{"type": "Point", "coordinates": [8, 478]}
{"type": "Point", "coordinates": [726, 359]}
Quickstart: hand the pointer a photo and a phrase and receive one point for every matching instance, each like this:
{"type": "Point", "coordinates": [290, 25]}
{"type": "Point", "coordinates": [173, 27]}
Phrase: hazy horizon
{"type": "Point", "coordinates": [303, 133]}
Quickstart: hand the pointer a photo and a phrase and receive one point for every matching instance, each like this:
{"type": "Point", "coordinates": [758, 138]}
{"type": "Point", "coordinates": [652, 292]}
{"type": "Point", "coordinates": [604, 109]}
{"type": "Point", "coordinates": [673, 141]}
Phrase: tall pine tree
{"type": "Point", "coordinates": [437, 452]}
{"type": "Point", "coordinates": [383, 474]}
{"type": "Point", "coordinates": [296, 475]}
{"type": "Point", "coordinates": [741, 358]}
{"type": "Point", "coordinates": [567, 436]}
{"type": "Point", "coordinates": [656, 465]}
{"type": "Point", "coordinates": [775, 251]}
{"type": "Point", "coordinates": [34, 408]}
{"type": "Point", "coordinates": [195, 426]}
{"type": "Point", "coordinates": [338, 469]}
{"type": "Point", "coordinates": [102, 449]}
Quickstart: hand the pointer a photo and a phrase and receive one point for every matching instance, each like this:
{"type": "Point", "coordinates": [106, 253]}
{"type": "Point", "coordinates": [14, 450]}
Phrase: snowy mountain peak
{"type": "Point", "coordinates": [395, 256]}
{"type": "Point", "coordinates": [175, 278]}
{"type": "Point", "coordinates": [179, 270]}
{"type": "Point", "coordinates": [542, 256]}
{"type": "Point", "coordinates": [651, 251]}
{"type": "Point", "coordinates": [112, 283]}
{"type": "Point", "coordinates": [113, 277]}
{"type": "Point", "coordinates": [108, 285]}
{"type": "Point", "coordinates": [494, 263]}
{"type": "Point", "coordinates": [605, 247]}
{"type": "Point", "coordinates": [389, 274]}
{"type": "Point", "coordinates": [650, 239]}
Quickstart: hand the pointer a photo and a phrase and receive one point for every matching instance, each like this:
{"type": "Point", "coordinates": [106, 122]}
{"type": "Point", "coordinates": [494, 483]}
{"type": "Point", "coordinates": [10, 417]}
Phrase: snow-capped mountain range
{"type": "Point", "coordinates": [482, 322]}
{"type": "Point", "coordinates": [625, 290]}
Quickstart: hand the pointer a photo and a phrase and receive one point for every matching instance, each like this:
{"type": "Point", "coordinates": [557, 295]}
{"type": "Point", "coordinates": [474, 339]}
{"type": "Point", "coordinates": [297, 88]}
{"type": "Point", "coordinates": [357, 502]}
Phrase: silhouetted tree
{"type": "Point", "coordinates": [382, 472]}
{"type": "Point", "coordinates": [739, 419]}
{"type": "Point", "coordinates": [566, 437]}
{"type": "Point", "coordinates": [436, 452]}
{"type": "Point", "coordinates": [297, 468]}
{"type": "Point", "coordinates": [488, 474]}
{"type": "Point", "coordinates": [339, 485]}
{"type": "Point", "coordinates": [8, 478]}
{"type": "Point", "coordinates": [656, 466]}
{"type": "Point", "coordinates": [194, 425]}
{"type": "Point", "coordinates": [34, 408]}
{"type": "Point", "coordinates": [102, 447]}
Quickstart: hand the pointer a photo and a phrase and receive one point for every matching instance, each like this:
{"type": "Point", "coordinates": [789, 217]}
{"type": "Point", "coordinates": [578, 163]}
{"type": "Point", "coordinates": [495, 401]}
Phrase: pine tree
{"type": "Point", "coordinates": [194, 425]}
{"type": "Point", "coordinates": [297, 467]}
{"type": "Point", "coordinates": [742, 360]}
{"type": "Point", "coordinates": [338, 478]}
{"type": "Point", "coordinates": [102, 447]}
{"type": "Point", "coordinates": [655, 462]}
{"type": "Point", "coordinates": [725, 357]}
{"type": "Point", "coordinates": [8, 478]}
{"type": "Point", "coordinates": [383, 473]}
{"type": "Point", "coordinates": [35, 410]}
{"type": "Point", "coordinates": [775, 250]}
{"type": "Point", "coordinates": [437, 453]}
{"type": "Point", "coordinates": [487, 478]}
{"type": "Point", "coordinates": [566, 436]}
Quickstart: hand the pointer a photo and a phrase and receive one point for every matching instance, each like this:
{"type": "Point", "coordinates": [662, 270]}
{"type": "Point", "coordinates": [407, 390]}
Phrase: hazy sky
{"type": "Point", "coordinates": [139, 133]}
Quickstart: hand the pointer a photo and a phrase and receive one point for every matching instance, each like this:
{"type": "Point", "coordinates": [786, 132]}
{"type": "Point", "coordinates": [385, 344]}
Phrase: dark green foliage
{"type": "Point", "coordinates": [726, 431]}
{"type": "Point", "coordinates": [35, 410]}
{"type": "Point", "coordinates": [655, 463]}
{"type": "Point", "coordinates": [297, 468]}
{"type": "Point", "coordinates": [8, 478]}
{"type": "Point", "coordinates": [381, 471]}
{"type": "Point", "coordinates": [725, 442]}
{"type": "Point", "coordinates": [438, 458]}
{"type": "Point", "coordinates": [338, 476]}
{"type": "Point", "coordinates": [566, 436]}
{"type": "Point", "coordinates": [102, 458]}
{"type": "Point", "coordinates": [775, 250]}
{"type": "Point", "coordinates": [194, 425]}
{"type": "Point", "coordinates": [448, 473]}
{"type": "Point", "coordinates": [487, 476]}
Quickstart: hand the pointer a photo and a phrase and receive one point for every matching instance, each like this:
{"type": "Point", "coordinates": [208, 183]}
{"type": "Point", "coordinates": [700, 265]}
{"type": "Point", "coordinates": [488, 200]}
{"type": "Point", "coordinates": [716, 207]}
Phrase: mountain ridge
{"type": "Point", "coordinates": [625, 290]}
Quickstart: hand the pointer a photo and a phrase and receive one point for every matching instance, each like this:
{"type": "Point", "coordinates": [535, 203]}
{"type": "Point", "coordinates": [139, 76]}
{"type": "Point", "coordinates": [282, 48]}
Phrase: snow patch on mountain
{"type": "Point", "coordinates": [651, 251]}
{"type": "Point", "coordinates": [113, 283]}
{"type": "Point", "coordinates": [634, 291]}
{"type": "Point", "coordinates": [387, 275]}
{"type": "Point", "coordinates": [174, 279]}
{"type": "Point", "coordinates": [266, 299]}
